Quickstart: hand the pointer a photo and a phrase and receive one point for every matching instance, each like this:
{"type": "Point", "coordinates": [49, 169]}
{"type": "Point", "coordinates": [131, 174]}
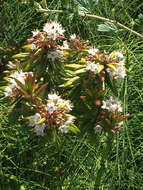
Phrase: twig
{"type": "Point", "coordinates": [96, 17]}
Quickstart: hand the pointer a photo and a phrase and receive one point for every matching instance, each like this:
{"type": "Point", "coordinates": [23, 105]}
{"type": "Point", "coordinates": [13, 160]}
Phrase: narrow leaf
{"type": "Point", "coordinates": [20, 56]}
{"type": "Point", "coordinates": [111, 66]}
{"type": "Point", "coordinates": [41, 121]}
{"type": "Point", "coordinates": [41, 89]}
{"type": "Point", "coordinates": [80, 71]}
{"type": "Point", "coordinates": [74, 66]}
{"type": "Point", "coordinates": [70, 82]}
{"type": "Point", "coordinates": [73, 128]}
{"type": "Point", "coordinates": [20, 84]}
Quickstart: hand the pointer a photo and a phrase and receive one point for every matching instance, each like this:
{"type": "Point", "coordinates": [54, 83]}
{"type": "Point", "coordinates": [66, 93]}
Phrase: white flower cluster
{"type": "Point", "coordinates": [53, 30]}
{"type": "Point", "coordinates": [65, 46]}
{"type": "Point", "coordinates": [65, 127]}
{"type": "Point", "coordinates": [55, 103]}
{"type": "Point", "coordinates": [35, 33]}
{"type": "Point", "coordinates": [112, 105]}
{"type": "Point", "coordinates": [57, 109]}
{"type": "Point", "coordinates": [93, 67]}
{"type": "Point", "coordinates": [20, 76]}
{"type": "Point", "coordinates": [118, 54]}
{"type": "Point", "coordinates": [55, 55]}
{"type": "Point", "coordinates": [73, 36]}
{"type": "Point", "coordinates": [93, 51]}
{"type": "Point", "coordinates": [39, 128]}
{"type": "Point", "coordinates": [59, 52]}
{"type": "Point", "coordinates": [119, 72]}
{"type": "Point", "coordinates": [33, 47]}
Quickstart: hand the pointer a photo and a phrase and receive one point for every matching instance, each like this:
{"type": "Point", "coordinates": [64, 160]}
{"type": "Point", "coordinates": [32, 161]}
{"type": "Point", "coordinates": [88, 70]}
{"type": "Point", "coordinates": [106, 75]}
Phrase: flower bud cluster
{"type": "Point", "coordinates": [112, 105]}
{"type": "Point", "coordinates": [48, 40]}
{"type": "Point", "coordinates": [110, 118]}
{"type": "Point", "coordinates": [103, 63]}
{"type": "Point", "coordinates": [13, 85]}
{"type": "Point", "coordinates": [55, 116]}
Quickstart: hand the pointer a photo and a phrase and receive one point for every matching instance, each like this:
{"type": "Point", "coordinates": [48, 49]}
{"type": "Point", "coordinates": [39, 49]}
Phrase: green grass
{"type": "Point", "coordinates": [72, 164]}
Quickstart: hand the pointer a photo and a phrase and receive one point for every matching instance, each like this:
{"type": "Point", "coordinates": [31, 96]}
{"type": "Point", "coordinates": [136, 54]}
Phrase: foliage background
{"type": "Point", "coordinates": [25, 164]}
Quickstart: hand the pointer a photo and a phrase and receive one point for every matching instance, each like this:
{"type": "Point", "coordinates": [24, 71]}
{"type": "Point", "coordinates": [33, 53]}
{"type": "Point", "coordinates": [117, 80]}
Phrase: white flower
{"type": "Point", "coordinates": [64, 128]}
{"type": "Point", "coordinates": [73, 37]}
{"type": "Point", "coordinates": [55, 55]}
{"type": "Point", "coordinates": [118, 74]}
{"type": "Point", "coordinates": [121, 63]}
{"type": "Point", "coordinates": [121, 73]}
{"type": "Point", "coordinates": [98, 129]}
{"type": "Point", "coordinates": [20, 76]}
{"type": "Point", "coordinates": [35, 33]}
{"type": "Point", "coordinates": [33, 47]}
{"type": "Point", "coordinates": [69, 120]}
{"type": "Point", "coordinates": [8, 91]}
{"type": "Point", "coordinates": [39, 129]}
{"type": "Point", "coordinates": [53, 30]}
{"type": "Point", "coordinates": [120, 124]}
{"type": "Point", "coordinates": [34, 119]}
{"type": "Point", "coordinates": [118, 54]}
{"type": "Point", "coordinates": [64, 46]}
{"type": "Point", "coordinates": [113, 104]}
{"type": "Point", "coordinates": [45, 163]}
{"type": "Point", "coordinates": [69, 105]}
{"type": "Point", "coordinates": [51, 107]}
{"type": "Point", "coordinates": [59, 109]}
{"type": "Point", "coordinates": [11, 65]}
{"type": "Point", "coordinates": [111, 72]}
{"type": "Point", "coordinates": [53, 96]}
{"type": "Point", "coordinates": [93, 51]}
{"type": "Point", "coordinates": [94, 67]}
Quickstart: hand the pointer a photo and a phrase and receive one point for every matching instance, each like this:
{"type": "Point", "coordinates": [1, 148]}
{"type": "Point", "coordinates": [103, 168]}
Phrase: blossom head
{"type": "Point", "coordinates": [39, 129]}
{"type": "Point", "coordinates": [53, 30]}
{"type": "Point", "coordinates": [13, 84]}
{"type": "Point", "coordinates": [54, 116]}
{"type": "Point", "coordinates": [112, 105]}
{"type": "Point", "coordinates": [93, 51]}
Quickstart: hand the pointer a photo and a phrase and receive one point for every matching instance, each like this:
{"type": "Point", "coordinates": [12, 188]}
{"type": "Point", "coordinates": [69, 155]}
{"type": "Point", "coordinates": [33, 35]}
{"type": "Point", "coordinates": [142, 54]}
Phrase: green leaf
{"type": "Point", "coordinates": [38, 6]}
{"type": "Point", "coordinates": [107, 27]}
{"type": "Point", "coordinates": [70, 82]}
{"type": "Point", "coordinates": [22, 187]}
{"type": "Point", "coordinates": [20, 84]}
{"type": "Point", "coordinates": [80, 71]}
{"type": "Point", "coordinates": [111, 66]}
{"type": "Point", "coordinates": [82, 9]}
{"type": "Point", "coordinates": [6, 79]}
{"type": "Point", "coordinates": [41, 121]}
{"type": "Point", "coordinates": [2, 88]}
{"type": "Point", "coordinates": [111, 84]}
{"type": "Point", "coordinates": [38, 52]}
{"type": "Point", "coordinates": [73, 128]}
{"type": "Point", "coordinates": [44, 4]}
{"type": "Point", "coordinates": [74, 66]}
{"type": "Point", "coordinates": [20, 56]}
{"type": "Point", "coordinates": [41, 89]}
{"type": "Point", "coordinates": [123, 89]}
